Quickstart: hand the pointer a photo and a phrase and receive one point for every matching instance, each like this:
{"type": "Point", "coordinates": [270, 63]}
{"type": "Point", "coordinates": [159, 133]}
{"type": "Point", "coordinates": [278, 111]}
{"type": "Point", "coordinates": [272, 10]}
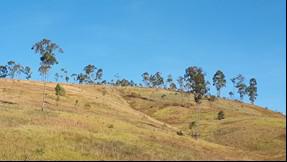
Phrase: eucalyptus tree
{"type": "Point", "coordinates": [231, 94]}
{"type": "Point", "coordinates": [157, 80]}
{"type": "Point", "coordinates": [197, 85]}
{"type": "Point", "coordinates": [57, 75]}
{"type": "Point", "coordinates": [219, 81]}
{"type": "Point", "coordinates": [99, 76]}
{"type": "Point", "coordinates": [28, 72]}
{"type": "Point", "coordinates": [252, 90]}
{"type": "Point", "coordinates": [146, 79]}
{"type": "Point", "coordinates": [238, 83]}
{"type": "Point", "coordinates": [82, 78]}
{"type": "Point", "coordinates": [47, 51]}
{"type": "Point", "coordinates": [169, 80]}
{"type": "Point", "coordinates": [181, 83]}
{"type": "Point", "coordinates": [74, 76]}
{"type": "Point", "coordinates": [3, 71]}
{"type": "Point", "coordinates": [89, 70]}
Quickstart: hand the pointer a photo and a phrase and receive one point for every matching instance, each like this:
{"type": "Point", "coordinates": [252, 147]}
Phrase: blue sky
{"type": "Point", "coordinates": [130, 37]}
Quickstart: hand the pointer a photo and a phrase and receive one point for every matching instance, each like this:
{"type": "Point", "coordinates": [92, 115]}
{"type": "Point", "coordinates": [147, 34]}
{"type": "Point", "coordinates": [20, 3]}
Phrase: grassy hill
{"type": "Point", "coordinates": [127, 123]}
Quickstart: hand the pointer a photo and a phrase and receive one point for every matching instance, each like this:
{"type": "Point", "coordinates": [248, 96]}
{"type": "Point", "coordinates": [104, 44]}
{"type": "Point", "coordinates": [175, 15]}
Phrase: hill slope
{"type": "Point", "coordinates": [117, 123]}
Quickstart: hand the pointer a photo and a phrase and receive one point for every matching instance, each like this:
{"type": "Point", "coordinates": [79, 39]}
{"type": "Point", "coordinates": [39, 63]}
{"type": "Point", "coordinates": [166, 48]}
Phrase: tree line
{"type": "Point", "coordinates": [193, 80]}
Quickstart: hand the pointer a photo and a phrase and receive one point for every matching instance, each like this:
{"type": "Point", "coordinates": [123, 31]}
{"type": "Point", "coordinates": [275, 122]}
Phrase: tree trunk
{"type": "Point", "coordinates": [44, 90]}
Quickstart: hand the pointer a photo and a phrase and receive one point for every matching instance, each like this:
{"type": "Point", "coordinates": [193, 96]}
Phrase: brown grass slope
{"type": "Point", "coordinates": [117, 123]}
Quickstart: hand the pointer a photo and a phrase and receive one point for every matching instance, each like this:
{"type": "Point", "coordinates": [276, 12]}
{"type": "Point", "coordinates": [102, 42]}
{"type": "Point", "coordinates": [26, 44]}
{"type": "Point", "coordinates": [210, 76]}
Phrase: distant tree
{"type": "Point", "coordinates": [238, 81]}
{"type": "Point", "coordinates": [197, 85]}
{"type": "Point", "coordinates": [57, 75]}
{"type": "Point", "coordinates": [47, 50]}
{"type": "Point", "coordinates": [74, 76]}
{"type": "Point", "coordinates": [146, 79]}
{"type": "Point", "coordinates": [3, 71]}
{"type": "Point", "coordinates": [12, 69]}
{"type": "Point", "coordinates": [89, 70]}
{"type": "Point", "coordinates": [157, 80]}
{"type": "Point", "coordinates": [28, 72]}
{"type": "Point", "coordinates": [169, 80]}
{"type": "Point", "coordinates": [219, 81]}
{"type": "Point", "coordinates": [220, 115]}
{"type": "Point", "coordinates": [82, 78]}
{"type": "Point", "coordinates": [196, 82]}
{"type": "Point", "coordinates": [173, 86]}
{"type": "Point", "coordinates": [231, 94]}
{"type": "Point", "coordinates": [67, 78]}
{"type": "Point", "coordinates": [252, 90]}
{"type": "Point", "coordinates": [99, 75]}
{"type": "Point", "coordinates": [181, 83]}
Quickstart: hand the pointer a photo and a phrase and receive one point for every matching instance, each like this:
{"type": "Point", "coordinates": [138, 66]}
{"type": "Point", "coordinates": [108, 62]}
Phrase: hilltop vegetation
{"type": "Point", "coordinates": [97, 122]}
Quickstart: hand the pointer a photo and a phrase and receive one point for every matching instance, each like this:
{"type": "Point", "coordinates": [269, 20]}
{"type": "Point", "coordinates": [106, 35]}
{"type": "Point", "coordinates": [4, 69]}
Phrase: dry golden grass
{"type": "Point", "coordinates": [125, 123]}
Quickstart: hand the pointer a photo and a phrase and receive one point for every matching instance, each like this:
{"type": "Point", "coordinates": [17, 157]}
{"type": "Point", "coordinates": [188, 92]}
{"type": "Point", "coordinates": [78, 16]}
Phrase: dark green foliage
{"type": "Point", "coordinates": [60, 91]}
{"type": "Point", "coordinates": [252, 90]}
{"type": "Point", "coordinates": [196, 83]}
{"type": "Point", "coordinates": [219, 81]}
{"type": "Point", "coordinates": [239, 84]}
{"type": "Point", "coordinates": [3, 71]}
{"type": "Point", "coordinates": [220, 115]}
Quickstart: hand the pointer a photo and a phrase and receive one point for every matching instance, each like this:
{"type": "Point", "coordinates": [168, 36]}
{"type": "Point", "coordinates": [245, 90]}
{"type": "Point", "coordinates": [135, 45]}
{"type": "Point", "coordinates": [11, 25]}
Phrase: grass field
{"type": "Point", "coordinates": [127, 123]}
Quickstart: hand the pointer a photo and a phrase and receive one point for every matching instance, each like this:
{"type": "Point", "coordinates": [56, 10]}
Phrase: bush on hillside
{"type": "Point", "coordinates": [60, 91]}
{"type": "Point", "coordinates": [220, 115]}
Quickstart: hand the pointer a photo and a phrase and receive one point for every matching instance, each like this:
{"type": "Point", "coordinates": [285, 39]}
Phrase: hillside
{"type": "Point", "coordinates": [127, 123]}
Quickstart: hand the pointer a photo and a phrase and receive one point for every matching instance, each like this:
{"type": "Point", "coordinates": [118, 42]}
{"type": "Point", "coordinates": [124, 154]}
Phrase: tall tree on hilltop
{"type": "Point", "coordinates": [28, 72]}
{"type": "Point", "coordinates": [197, 85]}
{"type": "Point", "coordinates": [47, 51]}
{"type": "Point", "coordinates": [252, 90]}
{"type": "Point", "coordinates": [146, 79]}
{"type": "Point", "coordinates": [89, 70]}
{"type": "Point", "coordinates": [219, 81]}
{"type": "Point", "coordinates": [99, 75]}
{"type": "Point", "coordinates": [169, 80]}
{"type": "Point", "coordinates": [157, 80]}
{"type": "Point", "coordinates": [240, 85]}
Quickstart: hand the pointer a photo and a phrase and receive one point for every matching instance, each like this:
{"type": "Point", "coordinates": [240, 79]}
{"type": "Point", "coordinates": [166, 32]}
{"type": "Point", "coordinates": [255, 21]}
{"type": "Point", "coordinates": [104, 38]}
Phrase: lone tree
{"type": "Point", "coordinates": [197, 85]}
{"type": "Point", "coordinates": [252, 90]}
{"type": "Point", "coordinates": [219, 81]}
{"type": "Point", "coordinates": [47, 50]}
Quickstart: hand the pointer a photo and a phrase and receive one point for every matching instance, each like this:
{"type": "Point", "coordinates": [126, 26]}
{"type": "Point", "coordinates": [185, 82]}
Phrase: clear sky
{"type": "Point", "coordinates": [130, 37]}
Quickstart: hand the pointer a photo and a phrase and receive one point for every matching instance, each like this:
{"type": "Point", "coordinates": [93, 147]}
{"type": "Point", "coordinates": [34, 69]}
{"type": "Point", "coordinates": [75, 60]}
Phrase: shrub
{"type": "Point", "coordinates": [179, 133]}
{"type": "Point", "coordinates": [192, 125]}
{"type": "Point", "coordinates": [111, 126]}
{"type": "Point", "coordinates": [220, 115]}
{"type": "Point", "coordinates": [60, 91]}
{"type": "Point", "coordinates": [163, 96]}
